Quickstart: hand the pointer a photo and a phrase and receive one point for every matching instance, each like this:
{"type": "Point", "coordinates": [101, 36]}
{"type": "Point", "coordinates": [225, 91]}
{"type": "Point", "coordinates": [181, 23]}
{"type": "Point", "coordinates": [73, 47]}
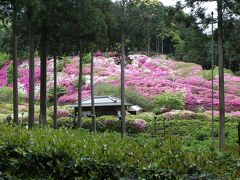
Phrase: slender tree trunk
{"type": "Point", "coordinates": [94, 128]}
{"type": "Point", "coordinates": [123, 122]}
{"type": "Point", "coordinates": [15, 71]}
{"type": "Point", "coordinates": [162, 44]}
{"type": "Point", "coordinates": [79, 123]}
{"type": "Point", "coordinates": [31, 72]}
{"type": "Point", "coordinates": [43, 88]}
{"type": "Point", "coordinates": [158, 46]}
{"type": "Point", "coordinates": [149, 45]}
{"type": "Point", "coordinates": [221, 79]}
{"type": "Point", "coordinates": [55, 90]}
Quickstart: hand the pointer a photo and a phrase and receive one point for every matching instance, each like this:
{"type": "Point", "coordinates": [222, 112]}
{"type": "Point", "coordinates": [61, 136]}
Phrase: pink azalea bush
{"type": "Point", "coordinates": [149, 76]}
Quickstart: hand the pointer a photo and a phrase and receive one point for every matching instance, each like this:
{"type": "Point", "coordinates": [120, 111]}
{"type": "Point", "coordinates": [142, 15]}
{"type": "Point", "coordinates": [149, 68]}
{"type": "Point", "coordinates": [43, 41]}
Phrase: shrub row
{"type": "Point", "coordinates": [69, 154]}
{"type": "Point", "coordinates": [107, 123]}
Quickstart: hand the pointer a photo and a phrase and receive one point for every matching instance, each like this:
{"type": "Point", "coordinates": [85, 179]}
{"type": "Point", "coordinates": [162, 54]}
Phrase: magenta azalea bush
{"type": "Point", "coordinates": [149, 76]}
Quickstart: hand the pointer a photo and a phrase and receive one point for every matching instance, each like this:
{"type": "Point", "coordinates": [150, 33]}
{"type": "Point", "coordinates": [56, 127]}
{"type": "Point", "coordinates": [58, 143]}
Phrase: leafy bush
{"type": "Point", "coordinates": [168, 100]}
{"type": "Point", "coordinates": [201, 135]}
{"type": "Point", "coordinates": [106, 89]}
{"type": "Point", "coordinates": [107, 123]}
{"type": "Point", "coordinates": [60, 92]}
{"type": "Point", "coordinates": [6, 96]}
{"type": "Point", "coordinates": [183, 114]}
{"type": "Point", "coordinates": [10, 73]}
{"type": "Point", "coordinates": [76, 82]}
{"type": "Point", "coordinates": [133, 97]}
{"type": "Point", "coordinates": [61, 63]}
{"type": "Point", "coordinates": [66, 154]}
{"type": "Point", "coordinates": [60, 113]}
{"type": "Point", "coordinates": [207, 74]}
{"type": "Point", "coordinates": [87, 58]}
{"type": "Point", "coordinates": [4, 57]}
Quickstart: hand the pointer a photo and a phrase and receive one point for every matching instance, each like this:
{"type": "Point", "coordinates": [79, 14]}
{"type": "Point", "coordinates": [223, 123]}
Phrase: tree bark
{"type": "Point", "coordinates": [149, 45]}
{"type": "Point", "coordinates": [94, 128]}
{"type": "Point", "coordinates": [162, 44]}
{"type": "Point", "coordinates": [123, 121]}
{"type": "Point", "coordinates": [31, 72]}
{"type": "Point", "coordinates": [43, 88]}
{"type": "Point", "coordinates": [221, 78]}
{"type": "Point", "coordinates": [55, 90]}
{"type": "Point", "coordinates": [79, 122]}
{"type": "Point", "coordinates": [15, 71]}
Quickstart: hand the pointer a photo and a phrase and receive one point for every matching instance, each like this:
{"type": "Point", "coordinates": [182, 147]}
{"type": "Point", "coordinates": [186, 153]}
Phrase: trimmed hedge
{"type": "Point", "coordinates": [71, 154]}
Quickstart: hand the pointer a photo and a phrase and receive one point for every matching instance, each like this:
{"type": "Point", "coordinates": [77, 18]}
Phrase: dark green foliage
{"type": "Point", "coordinates": [69, 154]}
{"type": "Point", "coordinates": [60, 92]}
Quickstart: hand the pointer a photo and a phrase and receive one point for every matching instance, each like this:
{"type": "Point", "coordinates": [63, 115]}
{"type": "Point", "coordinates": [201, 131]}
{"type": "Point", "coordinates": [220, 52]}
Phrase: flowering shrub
{"type": "Point", "coordinates": [149, 77]}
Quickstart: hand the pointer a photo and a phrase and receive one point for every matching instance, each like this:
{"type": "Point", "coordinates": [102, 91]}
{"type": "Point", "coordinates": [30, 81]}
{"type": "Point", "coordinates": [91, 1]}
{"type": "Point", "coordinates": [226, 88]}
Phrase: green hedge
{"type": "Point", "coordinates": [74, 154]}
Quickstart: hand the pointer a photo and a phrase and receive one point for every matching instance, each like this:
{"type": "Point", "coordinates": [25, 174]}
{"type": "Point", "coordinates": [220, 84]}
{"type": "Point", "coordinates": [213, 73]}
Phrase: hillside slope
{"type": "Point", "coordinates": [149, 76]}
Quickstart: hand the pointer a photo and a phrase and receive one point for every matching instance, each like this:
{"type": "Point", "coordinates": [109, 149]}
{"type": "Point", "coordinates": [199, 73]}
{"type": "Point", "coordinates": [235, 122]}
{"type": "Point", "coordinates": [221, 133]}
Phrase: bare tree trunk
{"type": "Point", "coordinates": [55, 90]}
{"type": "Point", "coordinates": [31, 72]}
{"type": "Point", "coordinates": [162, 44]}
{"type": "Point", "coordinates": [43, 88]}
{"type": "Point", "coordinates": [123, 122]}
{"type": "Point", "coordinates": [79, 123]}
{"type": "Point", "coordinates": [15, 71]}
{"type": "Point", "coordinates": [94, 128]}
{"type": "Point", "coordinates": [156, 44]}
{"type": "Point", "coordinates": [149, 45]}
{"type": "Point", "coordinates": [221, 79]}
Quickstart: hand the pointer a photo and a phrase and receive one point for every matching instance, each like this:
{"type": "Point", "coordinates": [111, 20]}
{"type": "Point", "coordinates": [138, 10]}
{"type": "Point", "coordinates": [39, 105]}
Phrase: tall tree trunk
{"type": "Point", "coordinates": [55, 90]}
{"type": "Point", "coordinates": [79, 122]}
{"type": "Point", "coordinates": [94, 128]}
{"type": "Point", "coordinates": [149, 45]}
{"type": "Point", "coordinates": [162, 44]}
{"type": "Point", "coordinates": [221, 78]}
{"type": "Point", "coordinates": [15, 71]}
{"type": "Point", "coordinates": [123, 122]}
{"type": "Point", "coordinates": [156, 44]}
{"type": "Point", "coordinates": [31, 72]}
{"type": "Point", "coordinates": [43, 88]}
